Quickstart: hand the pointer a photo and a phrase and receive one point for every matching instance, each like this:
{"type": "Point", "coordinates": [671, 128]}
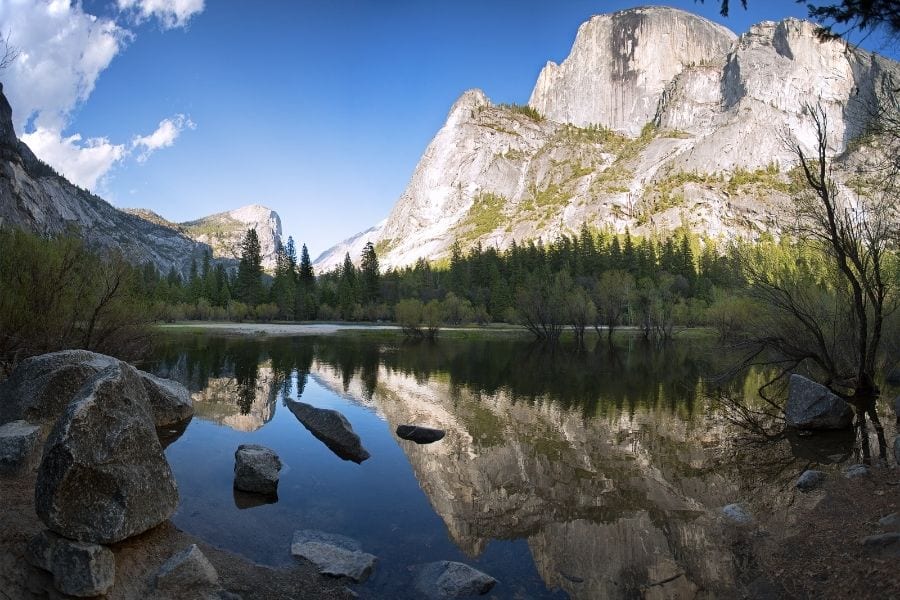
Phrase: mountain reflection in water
{"type": "Point", "coordinates": [594, 473]}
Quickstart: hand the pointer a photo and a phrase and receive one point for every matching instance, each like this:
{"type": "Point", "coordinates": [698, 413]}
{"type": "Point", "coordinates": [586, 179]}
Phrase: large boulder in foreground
{"type": "Point", "coordinates": [811, 405]}
{"type": "Point", "coordinates": [333, 554]}
{"type": "Point", "coordinates": [78, 569]}
{"type": "Point", "coordinates": [41, 387]}
{"type": "Point", "coordinates": [449, 579]}
{"type": "Point", "coordinates": [332, 429]}
{"type": "Point", "coordinates": [256, 469]}
{"type": "Point", "coordinates": [104, 477]}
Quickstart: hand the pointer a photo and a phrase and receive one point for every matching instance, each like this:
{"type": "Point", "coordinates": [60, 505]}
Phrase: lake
{"type": "Point", "coordinates": [582, 473]}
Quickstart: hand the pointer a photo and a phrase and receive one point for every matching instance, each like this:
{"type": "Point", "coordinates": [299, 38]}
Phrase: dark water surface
{"type": "Point", "coordinates": [583, 474]}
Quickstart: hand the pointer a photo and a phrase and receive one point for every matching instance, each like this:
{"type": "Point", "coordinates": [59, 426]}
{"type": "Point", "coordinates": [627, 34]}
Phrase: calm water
{"type": "Point", "coordinates": [582, 474]}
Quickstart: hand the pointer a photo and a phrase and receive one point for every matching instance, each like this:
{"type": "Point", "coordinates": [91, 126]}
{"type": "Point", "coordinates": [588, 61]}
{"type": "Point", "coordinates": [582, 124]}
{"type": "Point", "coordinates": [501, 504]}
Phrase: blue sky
{"type": "Point", "coordinates": [319, 110]}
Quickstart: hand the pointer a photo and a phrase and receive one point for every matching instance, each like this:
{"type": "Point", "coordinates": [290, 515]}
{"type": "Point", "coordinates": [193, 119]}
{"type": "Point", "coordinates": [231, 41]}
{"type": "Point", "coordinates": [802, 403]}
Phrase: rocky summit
{"type": "Point", "coordinates": [656, 119]}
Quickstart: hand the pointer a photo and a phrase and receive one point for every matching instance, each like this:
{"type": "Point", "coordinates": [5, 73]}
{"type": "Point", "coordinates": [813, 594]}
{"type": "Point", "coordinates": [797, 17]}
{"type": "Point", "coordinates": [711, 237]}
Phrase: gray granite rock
{"type": "Point", "coordinates": [256, 469]}
{"type": "Point", "coordinates": [332, 429]}
{"type": "Point", "coordinates": [170, 402]}
{"type": "Point", "coordinates": [78, 569]}
{"type": "Point", "coordinates": [737, 513]}
{"type": "Point", "coordinates": [419, 435]}
{"type": "Point", "coordinates": [188, 574]}
{"type": "Point", "coordinates": [41, 387]}
{"type": "Point", "coordinates": [333, 554]}
{"type": "Point", "coordinates": [18, 447]}
{"type": "Point", "coordinates": [449, 579]}
{"type": "Point", "coordinates": [103, 477]}
{"type": "Point", "coordinates": [810, 479]}
{"type": "Point", "coordinates": [811, 405]}
{"type": "Point", "coordinates": [855, 471]}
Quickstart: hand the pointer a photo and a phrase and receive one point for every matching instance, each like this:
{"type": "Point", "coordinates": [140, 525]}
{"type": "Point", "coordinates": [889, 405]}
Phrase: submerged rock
{"type": "Point", "coordinates": [332, 429]}
{"type": "Point", "coordinates": [854, 471]}
{"type": "Point", "coordinates": [449, 579]}
{"type": "Point", "coordinates": [419, 435]}
{"type": "Point", "coordinates": [256, 469]}
{"type": "Point", "coordinates": [736, 513]}
{"type": "Point", "coordinates": [18, 447]}
{"type": "Point", "coordinates": [333, 554]}
{"type": "Point", "coordinates": [810, 479]}
{"type": "Point", "coordinates": [41, 387]}
{"type": "Point", "coordinates": [103, 477]}
{"type": "Point", "coordinates": [811, 405]}
{"type": "Point", "coordinates": [78, 569]}
{"type": "Point", "coordinates": [188, 574]}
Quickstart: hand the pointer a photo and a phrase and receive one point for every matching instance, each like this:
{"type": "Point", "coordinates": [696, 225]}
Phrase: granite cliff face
{"type": "Point", "coordinates": [35, 198]}
{"type": "Point", "coordinates": [644, 126]}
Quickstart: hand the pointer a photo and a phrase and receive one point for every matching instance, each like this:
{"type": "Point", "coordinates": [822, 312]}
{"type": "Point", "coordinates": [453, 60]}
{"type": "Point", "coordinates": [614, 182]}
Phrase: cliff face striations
{"type": "Point", "coordinates": [645, 126]}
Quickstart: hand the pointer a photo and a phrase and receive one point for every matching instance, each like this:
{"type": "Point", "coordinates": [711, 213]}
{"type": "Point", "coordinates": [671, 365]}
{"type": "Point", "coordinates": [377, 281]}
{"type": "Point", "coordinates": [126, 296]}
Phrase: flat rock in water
{"type": "Point", "coordinates": [333, 554]}
{"type": "Point", "coordinates": [170, 402]}
{"type": "Point", "coordinates": [419, 435]}
{"type": "Point", "coordinates": [187, 574]}
{"type": "Point", "coordinates": [811, 405]}
{"type": "Point", "coordinates": [810, 479]}
{"type": "Point", "coordinates": [449, 579]}
{"type": "Point", "coordinates": [78, 569]}
{"type": "Point", "coordinates": [18, 447]}
{"type": "Point", "coordinates": [256, 469]}
{"type": "Point", "coordinates": [103, 477]}
{"type": "Point", "coordinates": [736, 513]}
{"type": "Point", "coordinates": [41, 387]}
{"type": "Point", "coordinates": [332, 429]}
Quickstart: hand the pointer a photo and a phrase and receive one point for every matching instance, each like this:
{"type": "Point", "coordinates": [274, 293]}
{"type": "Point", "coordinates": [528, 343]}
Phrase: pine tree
{"type": "Point", "coordinates": [306, 287]}
{"type": "Point", "coordinates": [370, 289]}
{"type": "Point", "coordinates": [249, 286]}
{"type": "Point", "coordinates": [347, 288]}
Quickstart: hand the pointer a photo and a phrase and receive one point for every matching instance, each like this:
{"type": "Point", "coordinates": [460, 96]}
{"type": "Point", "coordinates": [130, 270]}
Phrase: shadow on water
{"type": "Point", "coordinates": [591, 472]}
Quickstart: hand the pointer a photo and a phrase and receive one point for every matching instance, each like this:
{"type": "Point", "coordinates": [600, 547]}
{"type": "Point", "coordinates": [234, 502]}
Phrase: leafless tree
{"type": "Point", "coordinates": [8, 52]}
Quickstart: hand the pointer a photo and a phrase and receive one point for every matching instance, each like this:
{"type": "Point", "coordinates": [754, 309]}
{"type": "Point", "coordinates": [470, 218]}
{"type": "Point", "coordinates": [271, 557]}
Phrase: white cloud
{"type": "Point", "coordinates": [170, 13]}
{"type": "Point", "coordinates": [63, 50]}
{"type": "Point", "coordinates": [82, 163]}
{"type": "Point", "coordinates": [164, 136]}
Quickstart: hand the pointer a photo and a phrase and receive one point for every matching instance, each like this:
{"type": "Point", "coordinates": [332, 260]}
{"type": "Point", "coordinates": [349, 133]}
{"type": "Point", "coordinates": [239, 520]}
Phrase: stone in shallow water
{"type": "Point", "coordinates": [333, 554]}
{"type": "Point", "coordinates": [332, 429]}
{"type": "Point", "coordinates": [256, 469]}
{"type": "Point", "coordinates": [449, 579]}
{"type": "Point", "coordinates": [810, 479]}
{"type": "Point", "coordinates": [736, 513]}
{"type": "Point", "coordinates": [419, 435]}
{"type": "Point", "coordinates": [103, 477]}
{"type": "Point", "coordinates": [18, 447]}
{"type": "Point", "coordinates": [811, 405]}
{"type": "Point", "coordinates": [188, 574]}
{"type": "Point", "coordinates": [78, 569]}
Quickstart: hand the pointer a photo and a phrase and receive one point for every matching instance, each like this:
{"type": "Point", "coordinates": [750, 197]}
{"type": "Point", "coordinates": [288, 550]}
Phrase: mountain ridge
{"type": "Point", "coordinates": [693, 143]}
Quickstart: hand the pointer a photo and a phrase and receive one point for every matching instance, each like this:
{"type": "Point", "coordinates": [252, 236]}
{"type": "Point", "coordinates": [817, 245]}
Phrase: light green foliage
{"type": "Point", "coordinates": [760, 180]}
{"type": "Point", "coordinates": [484, 216]}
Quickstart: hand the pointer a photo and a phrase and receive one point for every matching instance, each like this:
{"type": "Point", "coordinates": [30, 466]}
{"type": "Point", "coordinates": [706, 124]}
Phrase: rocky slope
{"type": "Point", "coordinates": [35, 198]}
{"type": "Point", "coordinates": [656, 119]}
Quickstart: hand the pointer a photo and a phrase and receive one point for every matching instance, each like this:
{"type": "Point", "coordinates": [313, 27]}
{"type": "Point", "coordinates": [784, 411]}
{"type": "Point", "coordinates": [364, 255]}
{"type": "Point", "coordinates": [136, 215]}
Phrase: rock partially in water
{"type": "Point", "coordinates": [420, 435]}
{"type": "Point", "coordinates": [449, 579]}
{"type": "Point", "coordinates": [736, 513]}
{"type": "Point", "coordinates": [855, 471]}
{"type": "Point", "coordinates": [78, 569]}
{"type": "Point", "coordinates": [188, 574]}
{"type": "Point", "coordinates": [256, 469]}
{"type": "Point", "coordinates": [810, 479]}
{"type": "Point", "coordinates": [811, 405]}
{"type": "Point", "coordinates": [333, 554]}
{"type": "Point", "coordinates": [103, 477]}
{"type": "Point", "coordinates": [170, 402]}
{"type": "Point", "coordinates": [18, 447]}
{"type": "Point", "coordinates": [332, 429]}
{"type": "Point", "coordinates": [41, 387]}
{"type": "Point", "coordinates": [890, 522]}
